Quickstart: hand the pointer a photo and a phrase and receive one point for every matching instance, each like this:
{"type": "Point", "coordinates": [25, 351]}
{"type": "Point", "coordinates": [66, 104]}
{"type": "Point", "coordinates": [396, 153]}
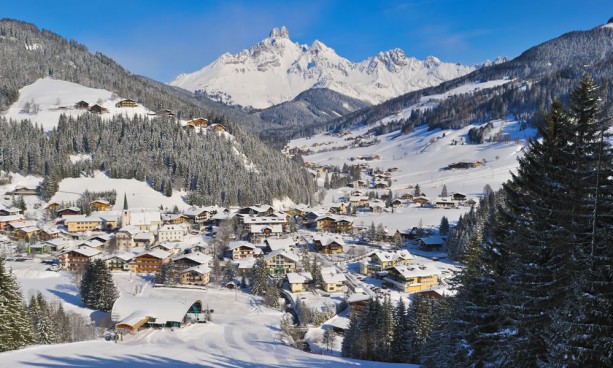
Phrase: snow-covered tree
{"type": "Point", "coordinates": [15, 326]}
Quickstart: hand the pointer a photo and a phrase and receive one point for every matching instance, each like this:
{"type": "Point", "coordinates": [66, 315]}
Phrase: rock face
{"type": "Point", "coordinates": [276, 70]}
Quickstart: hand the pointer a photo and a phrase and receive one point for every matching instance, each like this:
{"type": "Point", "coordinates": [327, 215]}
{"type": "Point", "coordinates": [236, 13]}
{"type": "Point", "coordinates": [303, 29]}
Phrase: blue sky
{"type": "Point", "coordinates": [161, 39]}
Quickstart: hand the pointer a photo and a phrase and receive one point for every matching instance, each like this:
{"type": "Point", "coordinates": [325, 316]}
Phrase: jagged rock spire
{"type": "Point", "coordinates": [279, 33]}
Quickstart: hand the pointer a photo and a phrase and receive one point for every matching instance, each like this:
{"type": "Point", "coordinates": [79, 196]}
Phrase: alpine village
{"type": "Point", "coordinates": [466, 221]}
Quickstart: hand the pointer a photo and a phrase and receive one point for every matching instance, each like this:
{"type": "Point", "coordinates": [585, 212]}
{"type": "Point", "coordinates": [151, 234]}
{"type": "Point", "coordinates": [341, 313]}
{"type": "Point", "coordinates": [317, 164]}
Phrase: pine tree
{"type": "Point", "coordinates": [443, 228]}
{"type": "Point", "coordinates": [43, 327]}
{"type": "Point", "coordinates": [15, 326]}
{"type": "Point", "coordinates": [305, 259]}
{"type": "Point", "coordinates": [229, 273]}
{"type": "Point", "coordinates": [97, 288]}
{"type": "Point", "coordinates": [259, 277]}
{"type": "Point", "coordinates": [444, 191]}
{"type": "Point", "coordinates": [318, 279]}
{"type": "Point", "coordinates": [417, 191]}
{"type": "Point", "coordinates": [399, 348]}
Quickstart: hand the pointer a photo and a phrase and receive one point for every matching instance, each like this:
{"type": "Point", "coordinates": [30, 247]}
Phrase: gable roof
{"type": "Point", "coordinates": [282, 252]}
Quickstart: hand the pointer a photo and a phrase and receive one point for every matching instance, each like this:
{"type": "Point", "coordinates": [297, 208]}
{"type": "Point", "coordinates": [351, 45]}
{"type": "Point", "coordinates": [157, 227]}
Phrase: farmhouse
{"type": "Point", "coordinates": [273, 244]}
{"type": "Point", "coordinates": [189, 260]}
{"type": "Point", "coordinates": [118, 262]}
{"type": "Point", "coordinates": [430, 243]}
{"type": "Point", "coordinates": [298, 282]}
{"type": "Point", "coordinates": [76, 259]}
{"type": "Point", "coordinates": [280, 262]}
{"type": "Point", "coordinates": [329, 244]}
{"type": "Point", "coordinates": [334, 224]}
{"type": "Point", "coordinates": [243, 249]}
{"type": "Point", "coordinates": [126, 103]}
{"type": "Point", "coordinates": [381, 261]}
{"type": "Point", "coordinates": [132, 313]}
{"type": "Point", "coordinates": [149, 262]}
{"type": "Point", "coordinates": [196, 275]}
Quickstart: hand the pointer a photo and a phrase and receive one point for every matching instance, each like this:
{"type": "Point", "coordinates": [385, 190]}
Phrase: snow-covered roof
{"type": "Point", "coordinates": [417, 270]}
{"type": "Point", "coordinates": [87, 251]}
{"type": "Point", "coordinates": [201, 269]}
{"type": "Point", "coordinates": [246, 263]}
{"type": "Point", "coordinates": [432, 240]}
{"type": "Point", "coordinates": [170, 216]}
{"type": "Point", "coordinates": [81, 218]}
{"type": "Point", "coordinates": [326, 239]}
{"type": "Point", "coordinates": [280, 243]}
{"type": "Point", "coordinates": [256, 229]}
{"type": "Point", "coordinates": [282, 252]}
{"type": "Point", "coordinates": [122, 256]}
{"type": "Point", "coordinates": [130, 229]}
{"type": "Point", "coordinates": [263, 220]}
{"type": "Point", "coordinates": [144, 235]}
{"type": "Point", "coordinates": [240, 243]}
{"type": "Point", "coordinates": [157, 253]}
{"type": "Point", "coordinates": [391, 256]}
{"type": "Point", "coordinates": [144, 216]}
{"type": "Point", "coordinates": [198, 257]}
{"type": "Point", "coordinates": [355, 297]}
{"type": "Point", "coordinates": [130, 310]}
{"type": "Point", "coordinates": [12, 218]}
{"type": "Point", "coordinates": [299, 278]}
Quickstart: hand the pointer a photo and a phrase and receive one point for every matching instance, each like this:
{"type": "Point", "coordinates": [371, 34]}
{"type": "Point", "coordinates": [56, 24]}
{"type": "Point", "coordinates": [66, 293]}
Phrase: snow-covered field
{"type": "Point", "coordinates": [242, 333]}
{"type": "Point", "coordinates": [420, 158]}
{"type": "Point", "coordinates": [55, 97]}
{"type": "Point", "coordinates": [138, 193]}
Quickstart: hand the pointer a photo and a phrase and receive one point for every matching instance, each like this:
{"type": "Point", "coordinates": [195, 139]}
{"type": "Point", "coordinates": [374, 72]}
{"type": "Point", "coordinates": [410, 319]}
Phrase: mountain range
{"type": "Point", "coordinates": [276, 70]}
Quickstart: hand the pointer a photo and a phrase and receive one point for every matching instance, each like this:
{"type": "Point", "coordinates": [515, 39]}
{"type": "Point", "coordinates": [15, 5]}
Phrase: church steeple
{"type": "Point", "coordinates": [125, 201]}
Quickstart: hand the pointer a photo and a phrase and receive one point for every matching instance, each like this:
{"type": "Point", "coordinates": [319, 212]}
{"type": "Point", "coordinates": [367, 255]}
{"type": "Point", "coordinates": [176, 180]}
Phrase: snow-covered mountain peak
{"type": "Point", "coordinates": [277, 69]}
{"type": "Point", "coordinates": [279, 33]}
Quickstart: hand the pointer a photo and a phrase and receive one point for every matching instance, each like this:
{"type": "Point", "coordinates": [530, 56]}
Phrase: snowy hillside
{"type": "Point", "coordinates": [277, 70]}
{"type": "Point", "coordinates": [43, 101]}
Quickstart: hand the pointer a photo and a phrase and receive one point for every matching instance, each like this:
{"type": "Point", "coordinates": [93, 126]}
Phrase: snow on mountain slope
{"type": "Point", "coordinates": [420, 158]}
{"type": "Point", "coordinates": [43, 101]}
{"type": "Point", "coordinates": [277, 70]}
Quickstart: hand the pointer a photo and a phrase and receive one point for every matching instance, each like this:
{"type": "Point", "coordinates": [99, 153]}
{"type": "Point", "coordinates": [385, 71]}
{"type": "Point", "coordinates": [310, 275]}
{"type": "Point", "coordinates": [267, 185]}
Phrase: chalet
{"type": "Point", "coordinates": [165, 113]}
{"type": "Point", "coordinates": [26, 233]}
{"type": "Point", "coordinates": [10, 211]}
{"type": "Point", "coordinates": [81, 105]}
{"type": "Point", "coordinates": [260, 228]}
{"type": "Point", "coordinates": [410, 279]}
{"type": "Point", "coordinates": [445, 203]}
{"type": "Point", "coordinates": [93, 244]}
{"type": "Point", "coordinates": [48, 233]}
{"type": "Point", "coordinates": [57, 244]}
{"type": "Point", "coordinates": [26, 191]}
{"type": "Point", "coordinates": [397, 203]}
{"type": "Point", "coordinates": [421, 200]}
{"type": "Point", "coordinates": [258, 210]}
{"type": "Point", "coordinates": [334, 224]}
{"type": "Point", "coordinates": [359, 184]}
{"type": "Point", "coordinates": [186, 261]}
{"type": "Point", "coordinates": [53, 206]}
{"type": "Point", "coordinates": [170, 248]}
{"type": "Point", "coordinates": [405, 235]}
{"type": "Point", "coordinates": [124, 237]}
{"type": "Point", "coordinates": [217, 128]}
{"type": "Point", "coordinates": [381, 261]}
{"type": "Point", "coordinates": [200, 215]}
{"type": "Point", "coordinates": [358, 200]}
{"type": "Point", "coordinates": [245, 266]}
{"type": "Point", "coordinates": [172, 233]}
{"type": "Point", "coordinates": [6, 220]}
{"type": "Point", "coordinates": [298, 210]}
{"type": "Point", "coordinates": [102, 238]}
{"type": "Point", "coordinates": [76, 259]}
{"type": "Point", "coordinates": [357, 302]}
{"type": "Point", "coordinates": [198, 122]}
{"type": "Point", "coordinates": [381, 184]}
{"type": "Point", "coordinates": [149, 262]}
{"type": "Point", "coordinates": [70, 211]}
{"type": "Point", "coordinates": [197, 275]}
{"type": "Point", "coordinates": [97, 109]}
{"type": "Point", "coordinates": [118, 262]}
{"type": "Point", "coordinates": [298, 282]}
{"type": "Point", "coordinates": [101, 205]}
{"type": "Point", "coordinates": [143, 239]}
{"type": "Point", "coordinates": [329, 244]}
{"type": "Point", "coordinates": [131, 313]}
{"type": "Point", "coordinates": [243, 249]}
{"type": "Point", "coordinates": [459, 197]}
{"type": "Point", "coordinates": [407, 196]}
{"type": "Point", "coordinates": [430, 243]}
{"type": "Point", "coordinates": [392, 170]}
{"type": "Point", "coordinates": [173, 219]}
{"type": "Point", "coordinates": [126, 103]}
{"type": "Point", "coordinates": [332, 281]}
{"type": "Point", "coordinates": [280, 262]}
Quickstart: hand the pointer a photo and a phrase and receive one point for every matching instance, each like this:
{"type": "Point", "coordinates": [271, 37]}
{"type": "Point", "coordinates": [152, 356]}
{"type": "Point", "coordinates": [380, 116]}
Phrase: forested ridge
{"type": "Point", "coordinates": [156, 149]}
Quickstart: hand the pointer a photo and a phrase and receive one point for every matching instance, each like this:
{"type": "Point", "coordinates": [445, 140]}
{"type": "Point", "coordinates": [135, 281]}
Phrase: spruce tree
{"type": "Point", "coordinates": [259, 277]}
{"type": "Point", "coordinates": [15, 326]}
{"type": "Point", "coordinates": [444, 191]}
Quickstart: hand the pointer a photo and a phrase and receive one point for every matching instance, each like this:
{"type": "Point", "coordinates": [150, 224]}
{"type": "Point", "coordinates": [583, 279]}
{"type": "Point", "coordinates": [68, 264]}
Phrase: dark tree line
{"type": "Point", "coordinates": [536, 287]}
